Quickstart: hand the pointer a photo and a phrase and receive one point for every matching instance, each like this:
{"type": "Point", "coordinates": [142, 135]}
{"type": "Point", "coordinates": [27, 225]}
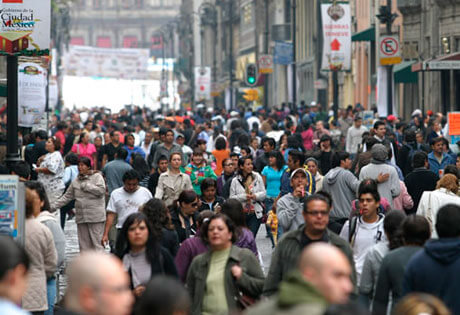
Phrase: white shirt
{"type": "Point", "coordinates": [123, 203]}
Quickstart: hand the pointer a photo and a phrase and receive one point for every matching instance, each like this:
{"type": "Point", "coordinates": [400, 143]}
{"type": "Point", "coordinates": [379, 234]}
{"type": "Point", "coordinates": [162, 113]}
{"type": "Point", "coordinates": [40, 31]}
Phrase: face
{"type": "Point", "coordinates": [436, 127]}
{"type": "Point", "coordinates": [247, 166]}
{"type": "Point", "coordinates": [347, 163]}
{"type": "Point", "coordinates": [419, 138]}
{"type": "Point", "coordinates": [190, 208]}
{"type": "Point", "coordinates": [244, 153]}
{"type": "Point", "coordinates": [169, 138]}
{"type": "Point", "coordinates": [317, 216]}
{"type": "Point", "coordinates": [209, 193]}
{"type": "Point", "coordinates": [291, 164]}
{"type": "Point", "coordinates": [98, 142]}
{"type": "Point", "coordinates": [299, 180]}
{"type": "Point", "coordinates": [358, 123]}
{"type": "Point", "coordinates": [267, 147]}
{"type": "Point", "coordinates": [218, 234]}
{"type": "Point", "coordinates": [49, 145]}
{"type": "Point", "coordinates": [106, 138]}
{"type": "Point", "coordinates": [116, 137]}
{"type": "Point", "coordinates": [180, 141]}
{"type": "Point", "coordinates": [83, 168]}
{"type": "Point", "coordinates": [272, 161]}
{"type": "Point", "coordinates": [89, 126]}
{"type": "Point", "coordinates": [235, 162]}
{"type": "Point", "coordinates": [138, 234]}
{"type": "Point", "coordinates": [163, 165]}
{"type": "Point", "coordinates": [438, 147]}
{"type": "Point", "coordinates": [176, 161]}
{"type": "Point", "coordinates": [333, 280]}
{"type": "Point", "coordinates": [228, 167]}
{"type": "Point", "coordinates": [130, 141]}
{"type": "Point", "coordinates": [312, 167]}
{"type": "Point", "coordinates": [368, 205]}
{"type": "Point", "coordinates": [319, 125]}
{"type": "Point", "coordinates": [380, 131]}
{"type": "Point", "coordinates": [85, 139]}
{"type": "Point", "coordinates": [326, 144]}
{"type": "Point", "coordinates": [458, 163]}
{"type": "Point", "coordinates": [255, 143]}
{"type": "Point", "coordinates": [197, 159]}
{"type": "Point", "coordinates": [131, 185]}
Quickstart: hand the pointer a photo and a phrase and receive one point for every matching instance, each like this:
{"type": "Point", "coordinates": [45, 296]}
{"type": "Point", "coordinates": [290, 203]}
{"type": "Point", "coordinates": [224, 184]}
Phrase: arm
{"type": "Point", "coordinates": [168, 264]}
{"type": "Point", "coordinates": [108, 225]}
{"type": "Point", "coordinates": [348, 141]}
{"type": "Point", "coordinates": [285, 214]}
{"type": "Point", "coordinates": [159, 190]}
{"type": "Point", "coordinates": [183, 259]}
{"type": "Point", "coordinates": [407, 200]}
{"type": "Point", "coordinates": [395, 187]}
{"type": "Point", "coordinates": [94, 186]}
{"type": "Point", "coordinates": [50, 254]}
{"type": "Point", "coordinates": [252, 279]}
{"type": "Point", "coordinates": [261, 192]}
{"type": "Point", "coordinates": [65, 199]}
{"type": "Point", "coordinates": [104, 160]}
{"type": "Point", "coordinates": [382, 291]}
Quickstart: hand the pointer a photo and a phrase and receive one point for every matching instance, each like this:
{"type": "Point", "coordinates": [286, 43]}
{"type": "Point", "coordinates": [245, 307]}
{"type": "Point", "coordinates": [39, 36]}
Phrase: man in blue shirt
{"type": "Point", "coordinates": [438, 159]}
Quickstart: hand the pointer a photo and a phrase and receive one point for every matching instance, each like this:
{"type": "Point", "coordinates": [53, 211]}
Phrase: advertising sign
{"type": "Point", "coordinates": [202, 83]}
{"type": "Point", "coordinates": [389, 50]}
{"type": "Point", "coordinates": [25, 27]}
{"type": "Point", "coordinates": [12, 211]}
{"type": "Point", "coordinates": [32, 82]}
{"type": "Point", "coordinates": [337, 36]}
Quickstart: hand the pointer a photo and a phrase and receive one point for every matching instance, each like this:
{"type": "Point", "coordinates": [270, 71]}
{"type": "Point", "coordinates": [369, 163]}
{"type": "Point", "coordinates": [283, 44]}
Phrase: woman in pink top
{"type": "Point", "coordinates": [84, 148]}
{"type": "Point", "coordinates": [404, 200]}
{"type": "Point", "coordinates": [307, 136]}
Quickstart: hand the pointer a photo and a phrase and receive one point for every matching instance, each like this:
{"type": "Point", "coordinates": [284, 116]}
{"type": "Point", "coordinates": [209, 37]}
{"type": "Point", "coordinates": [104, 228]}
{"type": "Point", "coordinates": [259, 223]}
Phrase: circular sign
{"type": "Point", "coordinates": [389, 46]}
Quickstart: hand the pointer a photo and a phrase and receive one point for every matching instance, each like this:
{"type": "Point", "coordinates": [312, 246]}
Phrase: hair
{"type": "Point", "coordinates": [296, 155]}
{"type": "Point", "coordinates": [83, 134]}
{"type": "Point", "coordinates": [164, 295]}
{"type": "Point", "coordinates": [40, 189]}
{"type": "Point", "coordinates": [158, 216]}
{"type": "Point", "coordinates": [197, 151]}
{"type": "Point", "coordinates": [121, 153]}
{"type": "Point", "coordinates": [327, 196]}
{"type": "Point", "coordinates": [41, 134]}
{"type": "Point", "coordinates": [270, 141]}
{"type": "Point", "coordinates": [316, 197]}
{"type": "Point", "coordinates": [232, 154]}
{"type": "Point", "coordinates": [172, 154]}
{"type": "Point", "coordinates": [200, 142]}
{"type": "Point", "coordinates": [420, 303]}
{"type": "Point", "coordinates": [392, 225]}
{"type": "Point", "coordinates": [123, 246]}
{"type": "Point", "coordinates": [228, 222]}
{"type": "Point", "coordinates": [378, 123]}
{"type": "Point", "coordinates": [221, 144]}
{"type": "Point", "coordinates": [130, 175]}
{"type": "Point", "coordinates": [186, 196]}
{"type": "Point", "coordinates": [246, 149]}
{"type": "Point", "coordinates": [140, 165]}
{"type": "Point", "coordinates": [167, 130]}
{"type": "Point", "coordinates": [21, 168]}
{"type": "Point", "coordinates": [449, 182]}
{"type": "Point", "coordinates": [234, 210]}
{"type": "Point", "coordinates": [61, 125]}
{"type": "Point", "coordinates": [279, 158]}
{"type": "Point", "coordinates": [127, 136]}
{"type": "Point", "coordinates": [436, 140]}
{"type": "Point", "coordinates": [311, 159]}
{"type": "Point", "coordinates": [224, 161]}
{"type": "Point", "coordinates": [208, 182]}
{"type": "Point", "coordinates": [56, 143]}
{"type": "Point", "coordinates": [369, 186]}
{"type": "Point", "coordinates": [448, 221]}
{"type": "Point", "coordinates": [84, 160]}
{"type": "Point", "coordinates": [419, 159]}
{"type": "Point", "coordinates": [71, 158]}
{"type": "Point", "coordinates": [29, 202]}
{"type": "Point", "coordinates": [416, 230]}
{"type": "Point", "coordinates": [241, 162]}
{"type": "Point", "coordinates": [409, 136]}
{"type": "Point", "coordinates": [339, 157]}
{"type": "Point", "coordinates": [13, 255]}
{"type": "Point", "coordinates": [451, 169]}
{"type": "Point", "coordinates": [165, 158]}
{"type": "Point", "coordinates": [203, 216]}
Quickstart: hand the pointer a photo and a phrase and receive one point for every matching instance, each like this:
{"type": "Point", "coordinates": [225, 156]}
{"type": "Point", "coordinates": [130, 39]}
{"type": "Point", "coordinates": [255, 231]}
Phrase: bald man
{"type": "Point", "coordinates": [97, 285]}
{"type": "Point", "coordinates": [323, 277]}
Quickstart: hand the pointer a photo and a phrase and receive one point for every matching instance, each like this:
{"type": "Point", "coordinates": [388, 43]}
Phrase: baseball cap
{"type": "Point", "coordinates": [298, 170]}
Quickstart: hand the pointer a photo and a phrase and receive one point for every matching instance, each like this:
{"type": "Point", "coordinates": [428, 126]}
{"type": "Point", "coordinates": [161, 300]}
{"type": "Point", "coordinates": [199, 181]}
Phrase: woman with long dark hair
{"type": "Point", "coordinates": [184, 214]}
{"type": "Point", "coordinates": [248, 187]}
{"type": "Point", "coordinates": [160, 219]}
{"type": "Point", "coordinates": [140, 165]}
{"type": "Point", "coordinates": [141, 252]}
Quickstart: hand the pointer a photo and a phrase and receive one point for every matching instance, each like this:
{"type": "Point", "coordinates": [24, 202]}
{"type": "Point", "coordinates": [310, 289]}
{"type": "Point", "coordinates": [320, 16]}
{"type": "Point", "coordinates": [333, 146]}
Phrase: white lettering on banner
{"type": "Point", "coordinates": [337, 36]}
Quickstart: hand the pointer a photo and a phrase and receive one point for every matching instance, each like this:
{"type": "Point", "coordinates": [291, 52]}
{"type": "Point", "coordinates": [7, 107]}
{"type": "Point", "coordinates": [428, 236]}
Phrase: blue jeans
{"type": "Point", "coordinates": [252, 223]}
{"type": "Point", "coordinates": [51, 295]}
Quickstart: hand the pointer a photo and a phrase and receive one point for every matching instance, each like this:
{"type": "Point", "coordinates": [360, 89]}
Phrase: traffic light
{"type": "Point", "coordinates": [251, 74]}
{"type": "Point", "coordinates": [251, 95]}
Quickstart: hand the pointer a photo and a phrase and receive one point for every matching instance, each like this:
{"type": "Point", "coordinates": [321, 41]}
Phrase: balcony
{"type": "Point", "coordinates": [407, 7]}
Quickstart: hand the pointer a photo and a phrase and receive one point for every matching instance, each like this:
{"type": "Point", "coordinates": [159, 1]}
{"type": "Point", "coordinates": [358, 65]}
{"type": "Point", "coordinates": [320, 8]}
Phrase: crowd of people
{"type": "Point", "coordinates": [361, 219]}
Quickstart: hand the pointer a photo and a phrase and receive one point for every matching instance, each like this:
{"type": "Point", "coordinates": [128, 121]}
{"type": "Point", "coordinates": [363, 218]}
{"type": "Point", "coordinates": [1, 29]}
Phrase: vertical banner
{"type": "Point", "coordinates": [11, 213]}
{"type": "Point", "coordinates": [337, 36]}
{"type": "Point", "coordinates": [382, 95]}
{"type": "Point", "coordinates": [202, 83]}
{"type": "Point", "coordinates": [32, 79]}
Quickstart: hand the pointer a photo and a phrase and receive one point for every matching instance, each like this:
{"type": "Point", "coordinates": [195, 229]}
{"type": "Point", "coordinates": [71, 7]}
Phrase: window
{"type": "Point", "coordinates": [104, 42]}
{"type": "Point", "coordinates": [77, 41]}
{"type": "Point", "coordinates": [457, 44]}
{"type": "Point", "coordinates": [157, 42]}
{"type": "Point", "coordinates": [130, 42]}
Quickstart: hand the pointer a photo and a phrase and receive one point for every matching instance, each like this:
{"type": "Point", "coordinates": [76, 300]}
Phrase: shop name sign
{"type": "Point", "coordinates": [444, 65]}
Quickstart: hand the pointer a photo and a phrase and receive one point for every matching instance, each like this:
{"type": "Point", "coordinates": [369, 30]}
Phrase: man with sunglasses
{"type": "Point", "coordinates": [284, 260]}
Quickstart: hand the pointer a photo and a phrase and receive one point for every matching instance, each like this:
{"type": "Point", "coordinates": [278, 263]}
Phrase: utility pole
{"type": "Point", "coordinates": [12, 153]}
{"type": "Point", "coordinates": [266, 42]}
{"type": "Point", "coordinates": [389, 68]}
{"type": "Point", "coordinates": [230, 55]}
{"type": "Point", "coordinates": [294, 40]}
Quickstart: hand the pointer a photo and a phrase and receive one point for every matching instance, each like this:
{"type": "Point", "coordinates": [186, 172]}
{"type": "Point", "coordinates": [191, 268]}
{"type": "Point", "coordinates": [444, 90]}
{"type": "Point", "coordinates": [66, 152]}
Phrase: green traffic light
{"type": "Point", "coordinates": [251, 80]}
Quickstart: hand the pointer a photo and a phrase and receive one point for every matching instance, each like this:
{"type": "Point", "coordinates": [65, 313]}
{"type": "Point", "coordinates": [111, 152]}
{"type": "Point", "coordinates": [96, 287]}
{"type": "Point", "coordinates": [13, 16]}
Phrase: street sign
{"type": "Point", "coordinates": [389, 50]}
{"type": "Point", "coordinates": [444, 65]}
{"type": "Point", "coordinates": [266, 64]}
{"type": "Point", "coordinates": [320, 84]}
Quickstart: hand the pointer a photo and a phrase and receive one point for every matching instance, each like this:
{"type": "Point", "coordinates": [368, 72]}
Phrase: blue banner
{"type": "Point", "coordinates": [284, 54]}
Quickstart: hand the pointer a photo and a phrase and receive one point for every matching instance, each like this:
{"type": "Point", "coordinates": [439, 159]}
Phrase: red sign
{"type": "Point", "coordinates": [12, 1]}
{"type": "Point", "coordinates": [389, 46]}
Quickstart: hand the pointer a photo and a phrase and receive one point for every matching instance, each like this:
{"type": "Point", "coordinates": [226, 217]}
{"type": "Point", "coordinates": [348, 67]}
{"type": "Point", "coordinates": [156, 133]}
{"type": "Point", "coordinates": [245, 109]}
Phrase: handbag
{"type": "Point", "coordinates": [243, 300]}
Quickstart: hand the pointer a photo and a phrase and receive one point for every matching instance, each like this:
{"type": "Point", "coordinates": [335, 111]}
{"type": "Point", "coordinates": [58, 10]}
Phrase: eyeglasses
{"type": "Point", "coordinates": [315, 213]}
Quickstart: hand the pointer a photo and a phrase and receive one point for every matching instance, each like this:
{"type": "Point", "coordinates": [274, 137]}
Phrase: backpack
{"type": "Point", "coordinates": [354, 217]}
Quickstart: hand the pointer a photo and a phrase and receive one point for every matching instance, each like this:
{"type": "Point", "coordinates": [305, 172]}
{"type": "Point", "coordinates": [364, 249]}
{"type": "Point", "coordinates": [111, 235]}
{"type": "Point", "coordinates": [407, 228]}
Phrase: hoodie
{"type": "Point", "coordinates": [434, 270]}
{"type": "Point", "coordinates": [342, 185]}
{"type": "Point", "coordinates": [289, 212]}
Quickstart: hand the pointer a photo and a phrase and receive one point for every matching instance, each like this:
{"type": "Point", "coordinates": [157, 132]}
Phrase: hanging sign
{"type": "Point", "coordinates": [389, 50]}
{"type": "Point", "coordinates": [32, 82]}
{"type": "Point", "coordinates": [25, 27]}
{"type": "Point", "coordinates": [337, 36]}
{"type": "Point", "coordinates": [202, 83]}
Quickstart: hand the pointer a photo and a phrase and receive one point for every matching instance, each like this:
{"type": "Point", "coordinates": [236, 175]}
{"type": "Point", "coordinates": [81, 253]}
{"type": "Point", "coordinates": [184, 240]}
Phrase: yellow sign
{"type": "Point", "coordinates": [251, 95]}
{"type": "Point", "coordinates": [390, 61]}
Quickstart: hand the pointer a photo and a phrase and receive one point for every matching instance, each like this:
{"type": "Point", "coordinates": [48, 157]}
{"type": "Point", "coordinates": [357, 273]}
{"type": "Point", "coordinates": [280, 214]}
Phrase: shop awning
{"type": "Point", "coordinates": [443, 62]}
{"type": "Point", "coordinates": [368, 35]}
{"type": "Point", "coordinates": [403, 72]}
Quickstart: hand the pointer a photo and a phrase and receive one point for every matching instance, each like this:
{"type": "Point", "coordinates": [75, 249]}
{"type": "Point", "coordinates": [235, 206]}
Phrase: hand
{"type": "Point", "coordinates": [138, 290]}
{"type": "Point", "coordinates": [105, 240]}
{"type": "Point", "coordinates": [299, 192]}
{"type": "Point", "coordinates": [237, 272]}
{"type": "Point", "coordinates": [383, 177]}
{"type": "Point", "coordinates": [249, 196]}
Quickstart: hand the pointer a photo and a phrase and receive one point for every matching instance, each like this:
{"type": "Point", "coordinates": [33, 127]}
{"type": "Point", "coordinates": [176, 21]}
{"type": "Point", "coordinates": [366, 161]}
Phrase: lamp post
{"type": "Point", "coordinates": [294, 42]}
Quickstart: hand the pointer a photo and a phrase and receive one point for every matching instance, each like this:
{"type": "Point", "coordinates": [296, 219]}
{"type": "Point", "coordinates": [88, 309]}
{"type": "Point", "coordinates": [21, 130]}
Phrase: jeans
{"type": "Point", "coordinates": [252, 223]}
{"type": "Point", "coordinates": [51, 295]}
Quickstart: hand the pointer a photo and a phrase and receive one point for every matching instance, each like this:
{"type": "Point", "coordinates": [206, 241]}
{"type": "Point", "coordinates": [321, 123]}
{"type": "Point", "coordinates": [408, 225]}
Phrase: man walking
{"type": "Point", "coordinates": [167, 147]}
{"type": "Point", "coordinates": [438, 159]}
{"type": "Point", "coordinates": [355, 136]}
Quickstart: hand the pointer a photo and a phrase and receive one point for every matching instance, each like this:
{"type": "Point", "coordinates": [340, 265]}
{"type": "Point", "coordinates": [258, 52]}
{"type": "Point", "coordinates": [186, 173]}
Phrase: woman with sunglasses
{"type": "Point", "coordinates": [141, 252]}
{"type": "Point", "coordinates": [217, 278]}
{"type": "Point", "coordinates": [184, 213]}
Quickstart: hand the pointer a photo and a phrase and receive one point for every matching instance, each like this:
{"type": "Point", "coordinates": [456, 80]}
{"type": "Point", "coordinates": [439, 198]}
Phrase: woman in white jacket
{"type": "Point", "coordinates": [248, 187]}
{"type": "Point", "coordinates": [432, 201]}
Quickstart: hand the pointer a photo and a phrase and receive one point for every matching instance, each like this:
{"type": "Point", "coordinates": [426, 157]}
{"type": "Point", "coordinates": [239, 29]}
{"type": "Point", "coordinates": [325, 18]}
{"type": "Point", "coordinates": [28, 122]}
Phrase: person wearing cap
{"type": "Point", "coordinates": [295, 160]}
{"type": "Point", "coordinates": [355, 136]}
{"type": "Point", "coordinates": [289, 207]}
{"type": "Point", "coordinates": [390, 188]}
{"type": "Point", "coordinates": [180, 140]}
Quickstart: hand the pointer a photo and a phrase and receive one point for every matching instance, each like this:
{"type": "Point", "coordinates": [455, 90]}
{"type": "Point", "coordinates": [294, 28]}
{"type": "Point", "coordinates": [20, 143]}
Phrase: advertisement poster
{"type": "Point", "coordinates": [337, 36]}
{"type": "Point", "coordinates": [202, 83]}
{"type": "Point", "coordinates": [25, 26]}
{"type": "Point", "coordinates": [9, 208]}
{"type": "Point", "coordinates": [32, 79]}
{"type": "Point", "coordinates": [125, 63]}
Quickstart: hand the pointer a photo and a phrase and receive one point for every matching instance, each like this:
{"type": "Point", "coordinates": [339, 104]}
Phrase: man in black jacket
{"type": "Point", "coordinates": [420, 179]}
